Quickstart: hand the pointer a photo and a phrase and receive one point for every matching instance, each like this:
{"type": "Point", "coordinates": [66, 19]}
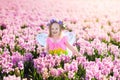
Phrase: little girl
{"type": "Point", "coordinates": [56, 43]}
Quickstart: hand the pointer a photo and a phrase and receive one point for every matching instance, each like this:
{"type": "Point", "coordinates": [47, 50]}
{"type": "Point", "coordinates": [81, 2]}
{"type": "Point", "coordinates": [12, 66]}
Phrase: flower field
{"type": "Point", "coordinates": [96, 24]}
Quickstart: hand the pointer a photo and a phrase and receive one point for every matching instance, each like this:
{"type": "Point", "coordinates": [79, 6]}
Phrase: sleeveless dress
{"type": "Point", "coordinates": [58, 47]}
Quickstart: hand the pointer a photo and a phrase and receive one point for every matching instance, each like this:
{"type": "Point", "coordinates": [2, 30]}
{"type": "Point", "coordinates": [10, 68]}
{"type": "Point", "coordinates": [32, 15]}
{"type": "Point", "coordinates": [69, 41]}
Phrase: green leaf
{"type": "Point", "coordinates": [22, 73]}
{"type": "Point", "coordinates": [62, 64]}
{"type": "Point", "coordinates": [11, 73]}
{"type": "Point", "coordinates": [50, 78]}
{"type": "Point", "coordinates": [24, 26]}
{"type": "Point", "coordinates": [115, 42]}
{"type": "Point", "coordinates": [8, 47]}
{"type": "Point", "coordinates": [81, 73]}
{"type": "Point", "coordinates": [42, 27]}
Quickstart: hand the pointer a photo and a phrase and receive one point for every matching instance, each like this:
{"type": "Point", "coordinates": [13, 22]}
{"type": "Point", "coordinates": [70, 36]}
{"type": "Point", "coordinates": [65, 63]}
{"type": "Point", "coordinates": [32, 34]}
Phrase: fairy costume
{"type": "Point", "coordinates": [58, 47]}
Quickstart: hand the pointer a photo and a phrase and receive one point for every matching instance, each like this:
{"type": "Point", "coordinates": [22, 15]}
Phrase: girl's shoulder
{"type": "Point", "coordinates": [48, 39]}
{"type": "Point", "coordinates": [65, 38]}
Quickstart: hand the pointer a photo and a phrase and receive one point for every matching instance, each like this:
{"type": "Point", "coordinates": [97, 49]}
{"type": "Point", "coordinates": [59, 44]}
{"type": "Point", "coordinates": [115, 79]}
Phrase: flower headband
{"type": "Point", "coordinates": [55, 21]}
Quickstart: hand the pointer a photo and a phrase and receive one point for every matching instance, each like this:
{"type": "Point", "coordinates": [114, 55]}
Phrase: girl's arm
{"type": "Point", "coordinates": [74, 51]}
{"type": "Point", "coordinates": [47, 48]}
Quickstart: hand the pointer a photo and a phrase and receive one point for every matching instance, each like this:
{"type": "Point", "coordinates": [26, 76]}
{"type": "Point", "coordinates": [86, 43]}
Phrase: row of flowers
{"type": "Point", "coordinates": [99, 60]}
{"type": "Point", "coordinates": [99, 65]}
{"type": "Point", "coordinates": [23, 58]}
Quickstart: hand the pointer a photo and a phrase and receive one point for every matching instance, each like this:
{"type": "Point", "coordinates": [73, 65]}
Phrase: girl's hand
{"type": "Point", "coordinates": [76, 53]}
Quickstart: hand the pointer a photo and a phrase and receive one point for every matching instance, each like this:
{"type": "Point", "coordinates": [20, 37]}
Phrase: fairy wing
{"type": "Point", "coordinates": [71, 37]}
{"type": "Point", "coordinates": [41, 38]}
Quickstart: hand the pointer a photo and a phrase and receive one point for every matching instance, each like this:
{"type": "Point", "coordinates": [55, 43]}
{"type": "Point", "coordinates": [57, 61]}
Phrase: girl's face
{"type": "Point", "coordinates": [55, 29]}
